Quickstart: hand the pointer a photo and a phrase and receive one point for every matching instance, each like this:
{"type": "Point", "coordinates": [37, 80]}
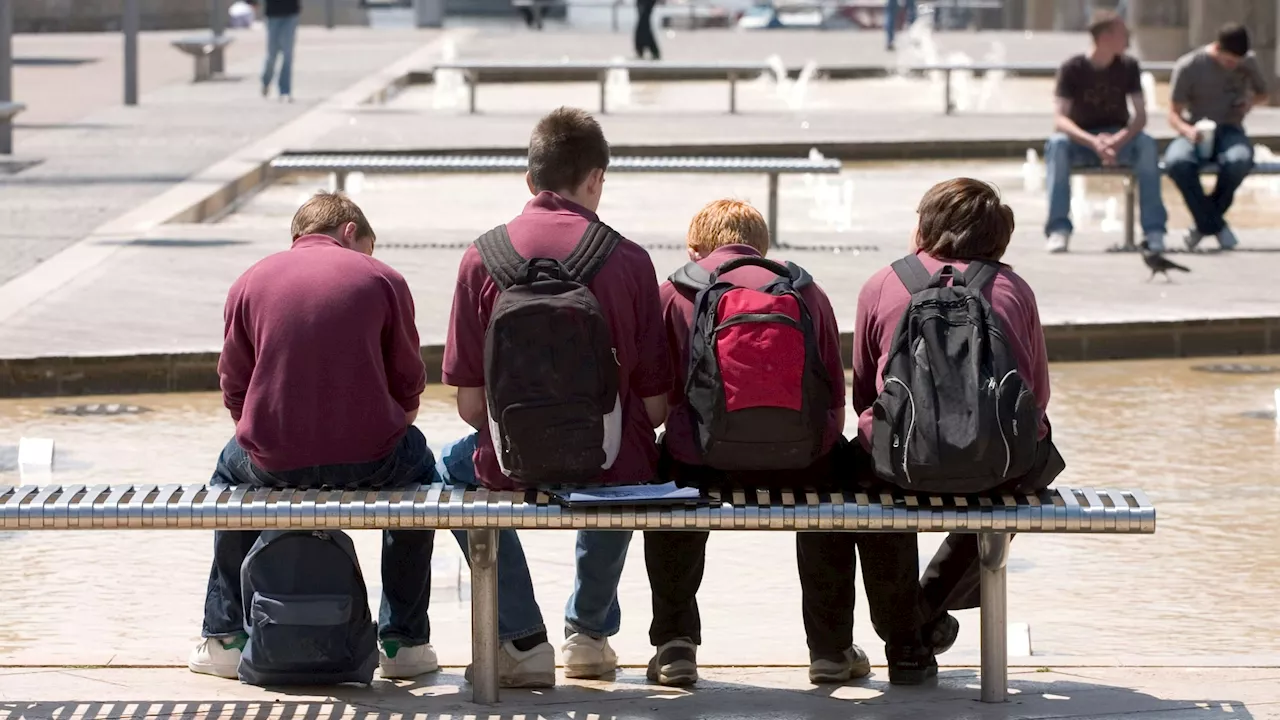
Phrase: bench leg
{"type": "Point", "coordinates": [733, 93]}
{"type": "Point", "coordinates": [472, 81]}
{"type": "Point", "coordinates": [202, 68]}
{"type": "Point", "coordinates": [483, 548]}
{"type": "Point", "coordinates": [773, 209]}
{"type": "Point", "coordinates": [1130, 200]}
{"type": "Point", "coordinates": [340, 181]}
{"type": "Point", "coordinates": [604, 82]}
{"type": "Point", "coordinates": [993, 554]}
{"type": "Point", "coordinates": [946, 79]}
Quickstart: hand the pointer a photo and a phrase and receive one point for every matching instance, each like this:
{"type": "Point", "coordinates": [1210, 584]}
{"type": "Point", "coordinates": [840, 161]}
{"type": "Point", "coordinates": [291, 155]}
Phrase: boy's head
{"type": "Point", "coordinates": [727, 222]}
{"type": "Point", "coordinates": [336, 215]}
{"type": "Point", "coordinates": [1233, 45]}
{"type": "Point", "coordinates": [568, 156]}
{"type": "Point", "coordinates": [963, 219]}
{"type": "Point", "coordinates": [1110, 34]}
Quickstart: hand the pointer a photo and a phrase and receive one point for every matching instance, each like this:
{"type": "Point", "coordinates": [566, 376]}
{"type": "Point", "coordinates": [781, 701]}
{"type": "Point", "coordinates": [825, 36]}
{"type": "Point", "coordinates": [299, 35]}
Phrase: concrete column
{"type": "Point", "coordinates": [129, 25]}
{"type": "Point", "coordinates": [428, 13]}
{"type": "Point", "coordinates": [217, 26]}
{"type": "Point", "coordinates": [1039, 15]}
{"type": "Point", "coordinates": [6, 72]}
{"type": "Point", "coordinates": [1159, 28]}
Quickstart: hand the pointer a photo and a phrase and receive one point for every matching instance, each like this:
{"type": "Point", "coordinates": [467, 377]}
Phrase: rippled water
{"type": "Point", "coordinates": [1201, 586]}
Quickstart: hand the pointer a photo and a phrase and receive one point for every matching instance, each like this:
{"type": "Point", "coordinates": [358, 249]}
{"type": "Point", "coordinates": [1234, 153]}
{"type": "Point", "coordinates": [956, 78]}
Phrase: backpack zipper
{"type": "Point", "coordinates": [911, 427]}
{"type": "Point", "coordinates": [1008, 454]}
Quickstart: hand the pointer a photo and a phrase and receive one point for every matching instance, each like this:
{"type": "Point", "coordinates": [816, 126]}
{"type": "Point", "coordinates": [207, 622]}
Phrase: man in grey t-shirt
{"type": "Point", "coordinates": [1220, 82]}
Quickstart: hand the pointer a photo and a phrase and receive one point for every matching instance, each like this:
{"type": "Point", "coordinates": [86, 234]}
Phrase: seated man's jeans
{"type": "Point", "coordinates": [1061, 154]}
{"type": "Point", "coordinates": [1233, 154]}
{"type": "Point", "coordinates": [593, 608]}
{"type": "Point", "coordinates": [406, 554]}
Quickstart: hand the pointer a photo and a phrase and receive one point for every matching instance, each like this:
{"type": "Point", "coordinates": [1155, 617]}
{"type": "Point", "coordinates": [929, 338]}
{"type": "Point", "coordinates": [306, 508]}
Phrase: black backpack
{"type": "Point", "coordinates": [954, 415]}
{"type": "Point", "coordinates": [306, 610]}
{"type": "Point", "coordinates": [550, 365]}
{"type": "Point", "coordinates": [757, 390]}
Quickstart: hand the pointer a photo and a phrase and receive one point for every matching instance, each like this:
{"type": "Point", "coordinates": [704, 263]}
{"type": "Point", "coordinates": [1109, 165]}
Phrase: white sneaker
{"type": "Point", "coordinates": [219, 657]}
{"type": "Point", "coordinates": [1227, 240]}
{"type": "Point", "coordinates": [1058, 242]}
{"type": "Point", "coordinates": [588, 658]}
{"type": "Point", "coordinates": [1155, 242]}
{"type": "Point", "coordinates": [405, 661]}
{"type": "Point", "coordinates": [535, 668]}
{"type": "Point", "coordinates": [852, 665]}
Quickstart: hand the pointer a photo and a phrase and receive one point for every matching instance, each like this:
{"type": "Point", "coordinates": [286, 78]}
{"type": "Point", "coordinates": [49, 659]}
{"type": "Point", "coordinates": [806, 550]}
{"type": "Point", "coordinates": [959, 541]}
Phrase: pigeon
{"type": "Point", "coordinates": [1159, 263]}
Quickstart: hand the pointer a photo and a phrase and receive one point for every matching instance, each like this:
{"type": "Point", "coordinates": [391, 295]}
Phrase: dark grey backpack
{"type": "Point", "coordinates": [954, 415]}
{"type": "Point", "coordinates": [306, 610]}
{"type": "Point", "coordinates": [550, 365]}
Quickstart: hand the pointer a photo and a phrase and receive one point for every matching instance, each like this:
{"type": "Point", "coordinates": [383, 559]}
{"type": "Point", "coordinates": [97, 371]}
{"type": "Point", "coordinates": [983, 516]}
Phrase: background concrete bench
{"type": "Point", "coordinates": [207, 52]}
{"type": "Point", "coordinates": [1131, 192]}
{"type": "Point", "coordinates": [482, 513]}
{"type": "Point", "coordinates": [8, 110]}
{"type": "Point", "coordinates": [343, 164]}
{"type": "Point", "coordinates": [480, 71]}
{"type": "Point", "coordinates": [1028, 69]}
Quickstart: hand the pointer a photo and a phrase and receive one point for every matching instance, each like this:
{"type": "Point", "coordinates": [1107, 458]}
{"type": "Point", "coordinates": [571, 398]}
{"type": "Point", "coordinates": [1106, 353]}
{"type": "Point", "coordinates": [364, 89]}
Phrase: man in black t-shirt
{"type": "Point", "coordinates": [1094, 126]}
{"type": "Point", "coordinates": [282, 29]}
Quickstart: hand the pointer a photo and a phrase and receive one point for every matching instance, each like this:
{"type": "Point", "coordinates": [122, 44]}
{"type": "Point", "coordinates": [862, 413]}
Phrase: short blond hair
{"type": "Point", "coordinates": [728, 222]}
{"type": "Point", "coordinates": [325, 212]}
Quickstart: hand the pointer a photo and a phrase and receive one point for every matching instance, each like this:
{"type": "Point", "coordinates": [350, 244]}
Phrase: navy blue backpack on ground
{"type": "Point", "coordinates": [306, 610]}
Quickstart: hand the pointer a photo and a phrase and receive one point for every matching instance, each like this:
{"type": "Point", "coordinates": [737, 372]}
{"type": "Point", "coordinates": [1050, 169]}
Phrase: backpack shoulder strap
{"type": "Point", "coordinates": [500, 257]}
{"type": "Point", "coordinates": [800, 278]}
{"type": "Point", "coordinates": [912, 273]}
{"type": "Point", "coordinates": [691, 276]}
{"type": "Point", "coordinates": [979, 273]}
{"type": "Point", "coordinates": [592, 252]}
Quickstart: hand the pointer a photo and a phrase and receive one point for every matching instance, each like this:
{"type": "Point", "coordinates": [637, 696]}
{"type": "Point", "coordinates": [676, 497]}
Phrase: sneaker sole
{"type": "Point", "coordinates": [675, 675]}
{"type": "Point", "coordinates": [589, 672]}
{"type": "Point", "coordinates": [391, 673]}
{"type": "Point", "coordinates": [222, 671]}
{"type": "Point", "coordinates": [915, 677]}
{"type": "Point", "coordinates": [830, 678]}
{"type": "Point", "coordinates": [529, 681]}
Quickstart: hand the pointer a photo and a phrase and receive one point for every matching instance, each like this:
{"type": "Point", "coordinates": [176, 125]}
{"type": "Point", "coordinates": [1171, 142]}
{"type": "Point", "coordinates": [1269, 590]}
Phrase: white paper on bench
{"type": "Point", "coordinates": [665, 494]}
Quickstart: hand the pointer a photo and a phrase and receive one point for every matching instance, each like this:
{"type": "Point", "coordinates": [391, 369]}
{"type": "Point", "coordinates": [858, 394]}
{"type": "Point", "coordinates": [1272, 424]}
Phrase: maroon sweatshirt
{"type": "Point", "coordinates": [320, 360]}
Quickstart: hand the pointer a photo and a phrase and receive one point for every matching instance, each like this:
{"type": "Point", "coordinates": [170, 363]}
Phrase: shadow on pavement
{"type": "Point", "coordinates": [445, 696]}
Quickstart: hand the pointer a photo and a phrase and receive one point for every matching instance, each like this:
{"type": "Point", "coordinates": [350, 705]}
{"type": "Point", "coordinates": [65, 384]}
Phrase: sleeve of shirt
{"type": "Point", "coordinates": [866, 350]}
{"type": "Point", "coordinates": [675, 326]}
{"type": "Point", "coordinates": [1180, 84]}
{"type": "Point", "coordinates": [401, 352]}
{"type": "Point", "coordinates": [1256, 78]}
{"type": "Point", "coordinates": [829, 348]}
{"type": "Point", "coordinates": [652, 374]}
{"type": "Point", "coordinates": [1064, 85]}
{"type": "Point", "coordinates": [235, 364]}
{"type": "Point", "coordinates": [464, 343]}
{"type": "Point", "coordinates": [1133, 78]}
{"type": "Point", "coordinates": [1039, 351]}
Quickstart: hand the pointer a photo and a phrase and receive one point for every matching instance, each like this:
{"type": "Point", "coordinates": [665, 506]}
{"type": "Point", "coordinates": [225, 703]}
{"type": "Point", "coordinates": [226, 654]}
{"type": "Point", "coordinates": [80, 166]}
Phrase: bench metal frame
{"type": "Point", "coordinates": [341, 165]}
{"type": "Point", "coordinates": [207, 51]}
{"type": "Point", "coordinates": [8, 110]}
{"type": "Point", "coordinates": [482, 513]}
{"type": "Point", "coordinates": [1131, 191]}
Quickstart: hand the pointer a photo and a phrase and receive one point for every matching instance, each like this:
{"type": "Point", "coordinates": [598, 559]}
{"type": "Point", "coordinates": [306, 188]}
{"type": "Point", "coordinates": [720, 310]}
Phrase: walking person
{"type": "Point", "coordinates": [645, 39]}
{"type": "Point", "coordinates": [282, 30]}
{"type": "Point", "coordinates": [1213, 89]}
{"type": "Point", "coordinates": [891, 8]}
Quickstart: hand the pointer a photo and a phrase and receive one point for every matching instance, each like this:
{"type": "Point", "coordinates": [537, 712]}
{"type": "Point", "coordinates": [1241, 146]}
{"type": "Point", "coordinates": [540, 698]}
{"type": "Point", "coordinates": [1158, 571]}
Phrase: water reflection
{"type": "Point", "coordinates": [1202, 583]}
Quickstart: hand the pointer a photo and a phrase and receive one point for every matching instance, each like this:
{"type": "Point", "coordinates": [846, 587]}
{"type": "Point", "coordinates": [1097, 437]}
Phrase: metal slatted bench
{"type": "Point", "coordinates": [206, 50]}
{"type": "Point", "coordinates": [343, 164]}
{"type": "Point", "coordinates": [481, 513]}
{"type": "Point", "coordinates": [476, 72]}
{"type": "Point", "coordinates": [1131, 191]}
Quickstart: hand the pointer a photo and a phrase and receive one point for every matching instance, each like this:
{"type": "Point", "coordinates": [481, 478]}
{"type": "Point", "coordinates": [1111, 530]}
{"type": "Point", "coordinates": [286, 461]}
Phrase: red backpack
{"type": "Point", "coordinates": [757, 390]}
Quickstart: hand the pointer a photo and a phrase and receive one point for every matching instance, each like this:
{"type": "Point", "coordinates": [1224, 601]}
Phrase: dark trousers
{"type": "Point", "coordinates": [1233, 152]}
{"type": "Point", "coordinates": [406, 554]}
{"type": "Point", "coordinates": [675, 561]}
{"type": "Point", "coordinates": [645, 39]}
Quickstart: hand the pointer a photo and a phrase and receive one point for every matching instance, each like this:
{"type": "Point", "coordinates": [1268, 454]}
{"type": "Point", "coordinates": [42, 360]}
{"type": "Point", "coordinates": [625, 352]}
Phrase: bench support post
{"type": "Point", "coordinates": [993, 555]}
{"type": "Point", "coordinates": [733, 93]}
{"type": "Point", "coordinates": [6, 73]}
{"type": "Point", "coordinates": [482, 548]}
{"type": "Point", "coordinates": [340, 180]}
{"type": "Point", "coordinates": [473, 79]}
{"type": "Point", "coordinates": [1130, 200]}
{"type": "Point", "coordinates": [946, 81]}
{"type": "Point", "coordinates": [604, 83]}
{"type": "Point", "coordinates": [773, 209]}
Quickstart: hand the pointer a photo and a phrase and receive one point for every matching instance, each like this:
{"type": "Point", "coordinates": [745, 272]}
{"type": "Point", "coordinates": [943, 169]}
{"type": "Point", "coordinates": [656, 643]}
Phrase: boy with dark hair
{"type": "Point", "coordinates": [961, 222]}
{"type": "Point", "coordinates": [1213, 89]}
{"type": "Point", "coordinates": [1093, 126]}
{"type": "Point", "coordinates": [731, 231]}
{"type": "Point", "coordinates": [511, 389]}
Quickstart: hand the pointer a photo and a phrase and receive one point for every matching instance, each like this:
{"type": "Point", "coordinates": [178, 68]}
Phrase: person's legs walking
{"type": "Point", "coordinates": [592, 613]}
{"type": "Point", "coordinates": [675, 562]}
{"type": "Point", "coordinates": [273, 50]}
{"type": "Point", "coordinates": [1234, 155]}
{"type": "Point", "coordinates": [890, 22]}
{"type": "Point", "coordinates": [1182, 164]}
{"type": "Point", "coordinates": [288, 38]}
{"type": "Point", "coordinates": [1142, 154]}
{"type": "Point", "coordinates": [827, 565]}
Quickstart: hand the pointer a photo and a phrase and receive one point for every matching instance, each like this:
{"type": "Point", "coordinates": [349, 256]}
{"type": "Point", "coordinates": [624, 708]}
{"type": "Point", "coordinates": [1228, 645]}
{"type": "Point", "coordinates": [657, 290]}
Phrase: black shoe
{"type": "Point", "coordinates": [910, 665]}
{"type": "Point", "coordinates": [942, 635]}
{"type": "Point", "coordinates": [675, 664]}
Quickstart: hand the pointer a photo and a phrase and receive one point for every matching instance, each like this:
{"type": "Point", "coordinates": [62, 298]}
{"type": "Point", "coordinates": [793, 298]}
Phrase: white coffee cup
{"type": "Point", "coordinates": [1205, 129]}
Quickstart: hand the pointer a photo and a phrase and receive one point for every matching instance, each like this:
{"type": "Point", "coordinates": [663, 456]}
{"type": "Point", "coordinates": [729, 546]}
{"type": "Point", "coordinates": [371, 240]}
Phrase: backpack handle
{"type": "Point", "coordinates": [693, 277]}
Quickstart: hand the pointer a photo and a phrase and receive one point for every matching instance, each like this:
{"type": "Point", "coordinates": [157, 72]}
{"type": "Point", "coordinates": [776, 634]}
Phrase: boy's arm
{"type": "Point", "coordinates": [463, 365]}
{"type": "Point", "coordinates": [652, 377]}
{"type": "Point", "coordinates": [235, 364]}
{"type": "Point", "coordinates": [401, 352]}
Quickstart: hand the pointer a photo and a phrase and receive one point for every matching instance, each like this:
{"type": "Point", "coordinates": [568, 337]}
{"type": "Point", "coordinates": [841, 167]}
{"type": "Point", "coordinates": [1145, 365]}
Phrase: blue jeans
{"type": "Point", "coordinates": [518, 613]}
{"type": "Point", "coordinates": [281, 33]}
{"type": "Point", "coordinates": [891, 17]}
{"type": "Point", "coordinates": [1233, 153]}
{"type": "Point", "coordinates": [593, 608]}
{"type": "Point", "coordinates": [1061, 154]}
{"type": "Point", "coordinates": [406, 554]}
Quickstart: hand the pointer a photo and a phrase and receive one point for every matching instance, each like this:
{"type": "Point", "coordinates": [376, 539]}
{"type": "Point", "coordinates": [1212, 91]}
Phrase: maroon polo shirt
{"type": "Point", "coordinates": [880, 306]}
{"type": "Point", "coordinates": [627, 289]}
{"type": "Point", "coordinates": [320, 360]}
{"type": "Point", "coordinates": [677, 315]}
